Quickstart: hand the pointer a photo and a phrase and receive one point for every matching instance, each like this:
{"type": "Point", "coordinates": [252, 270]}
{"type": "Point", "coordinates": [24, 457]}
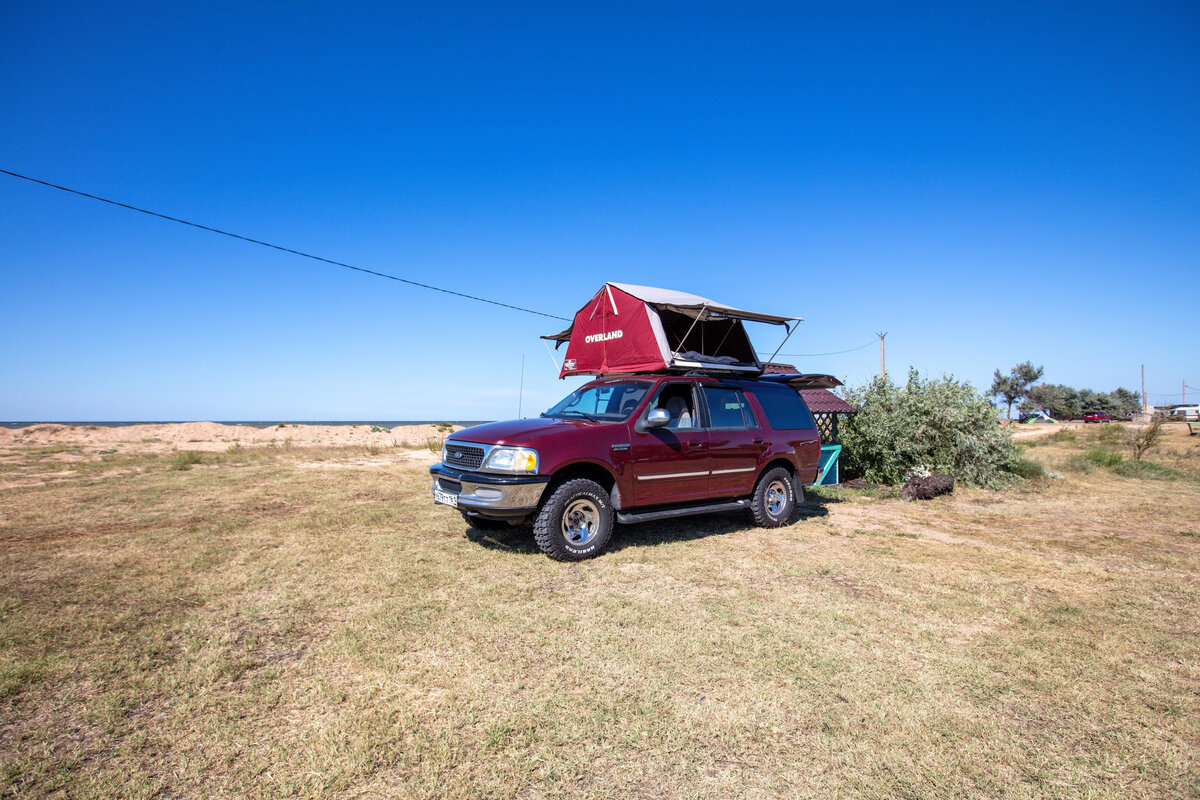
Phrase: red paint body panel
{"type": "Point", "coordinates": [695, 464]}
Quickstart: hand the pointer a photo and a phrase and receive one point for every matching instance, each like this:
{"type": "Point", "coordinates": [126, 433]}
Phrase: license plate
{"type": "Point", "coordinates": [445, 498]}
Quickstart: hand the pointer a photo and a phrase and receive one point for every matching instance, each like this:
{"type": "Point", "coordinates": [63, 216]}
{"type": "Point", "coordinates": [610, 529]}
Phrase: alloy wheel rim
{"type": "Point", "coordinates": [579, 521]}
{"type": "Point", "coordinates": [777, 497]}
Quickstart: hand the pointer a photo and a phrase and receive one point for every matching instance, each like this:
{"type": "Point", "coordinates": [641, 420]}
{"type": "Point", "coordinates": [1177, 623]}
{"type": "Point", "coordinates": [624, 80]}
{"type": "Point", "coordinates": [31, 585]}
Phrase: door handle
{"type": "Point", "coordinates": [696, 445]}
{"type": "Point", "coordinates": [760, 441]}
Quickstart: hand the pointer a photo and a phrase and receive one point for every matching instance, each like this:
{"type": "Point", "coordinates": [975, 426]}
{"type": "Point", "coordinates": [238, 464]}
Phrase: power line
{"type": "Point", "coordinates": [281, 248]}
{"type": "Point", "coordinates": [834, 353]}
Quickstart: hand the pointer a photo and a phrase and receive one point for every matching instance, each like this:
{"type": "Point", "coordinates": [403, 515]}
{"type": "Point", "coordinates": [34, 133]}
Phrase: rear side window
{"type": "Point", "coordinates": [727, 408]}
{"type": "Point", "coordinates": [784, 407]}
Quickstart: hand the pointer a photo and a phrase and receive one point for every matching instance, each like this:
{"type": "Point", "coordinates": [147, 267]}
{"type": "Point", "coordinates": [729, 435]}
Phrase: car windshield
{"type": "Point", "coordinates": [602, 402]}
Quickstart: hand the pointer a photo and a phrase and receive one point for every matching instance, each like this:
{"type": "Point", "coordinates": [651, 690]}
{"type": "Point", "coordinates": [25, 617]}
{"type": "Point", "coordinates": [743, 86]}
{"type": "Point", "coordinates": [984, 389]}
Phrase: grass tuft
{"type": "Point", "coordinates": [185, 459]}
{"type": "Point", "coordinates": [1026, 468]}
{"type": "Point", "coordinates": [1103, 457]}
{"type": "Point", "coordinates": [1146, 469]}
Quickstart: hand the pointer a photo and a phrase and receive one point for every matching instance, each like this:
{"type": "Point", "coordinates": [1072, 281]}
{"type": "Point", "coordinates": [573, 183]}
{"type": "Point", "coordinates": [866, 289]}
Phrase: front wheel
{"type": "Point", "coordinates": [576, 522]}
{"type": "Point", "coordinates": [774, 498]}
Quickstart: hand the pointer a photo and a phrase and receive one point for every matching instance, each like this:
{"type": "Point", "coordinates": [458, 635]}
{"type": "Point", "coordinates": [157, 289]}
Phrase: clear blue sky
{"type": "Point", "coordinates": [989, 183]}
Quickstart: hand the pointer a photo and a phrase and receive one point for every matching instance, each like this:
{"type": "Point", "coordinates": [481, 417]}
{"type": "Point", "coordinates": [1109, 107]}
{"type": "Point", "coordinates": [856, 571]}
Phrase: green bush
{"type": "Point", "coordinates": [941, 424]}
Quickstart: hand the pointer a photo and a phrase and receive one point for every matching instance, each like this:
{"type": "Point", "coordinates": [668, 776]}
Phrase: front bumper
{"type": "Point", "coordinates": [489, 494]}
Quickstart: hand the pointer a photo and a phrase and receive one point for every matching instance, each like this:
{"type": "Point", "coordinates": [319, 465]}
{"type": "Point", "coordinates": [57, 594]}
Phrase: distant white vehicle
{"type": "Point", "coordinates": [1187, 413]}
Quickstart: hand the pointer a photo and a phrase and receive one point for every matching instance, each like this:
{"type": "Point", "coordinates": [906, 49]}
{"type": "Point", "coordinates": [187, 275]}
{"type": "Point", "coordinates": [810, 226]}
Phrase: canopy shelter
{"type": "Point", "coordinates": [630, 329]}
{"type": "Point", "coordinates": [826, 407]}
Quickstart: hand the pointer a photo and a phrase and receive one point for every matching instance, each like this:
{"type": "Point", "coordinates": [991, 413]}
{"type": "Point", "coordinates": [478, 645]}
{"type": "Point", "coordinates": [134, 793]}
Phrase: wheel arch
{"type": "Point", "coordinates": [780, 461]}
{"type": "Point", "coordinates": [591, 470]}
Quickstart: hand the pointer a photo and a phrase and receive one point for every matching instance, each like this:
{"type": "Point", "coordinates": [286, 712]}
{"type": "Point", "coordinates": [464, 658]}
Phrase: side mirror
{"type": "Point", "coordinates": [658, 418]}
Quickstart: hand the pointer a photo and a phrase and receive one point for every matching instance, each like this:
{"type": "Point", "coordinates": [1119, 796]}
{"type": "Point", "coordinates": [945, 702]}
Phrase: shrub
{"type": "Point", "coordinates": [1145, 438]}
{"type": "Point", "coordinates": [941, 424]}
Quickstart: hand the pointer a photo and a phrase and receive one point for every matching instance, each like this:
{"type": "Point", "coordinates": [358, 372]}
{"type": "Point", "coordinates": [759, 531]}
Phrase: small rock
{"type": "Point", "coordinates": [927, 488]}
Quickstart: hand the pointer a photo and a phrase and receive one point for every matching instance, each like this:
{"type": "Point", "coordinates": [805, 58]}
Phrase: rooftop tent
{"type": "Point", "coordinates": [628, 329]}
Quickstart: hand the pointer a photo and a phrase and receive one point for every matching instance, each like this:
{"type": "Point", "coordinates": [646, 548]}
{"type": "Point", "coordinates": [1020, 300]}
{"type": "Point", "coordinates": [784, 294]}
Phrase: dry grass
{"type": "Point", "coordinates": [278, 622]}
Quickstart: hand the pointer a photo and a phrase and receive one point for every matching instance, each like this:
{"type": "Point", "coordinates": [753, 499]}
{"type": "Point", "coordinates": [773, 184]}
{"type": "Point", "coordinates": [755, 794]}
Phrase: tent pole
{"type": "Point", "coordinates": [781, 344]}
{"type": "Point", "coordinates": [550, 353]}
{"type": "Point", "coordinates": [683, 341]}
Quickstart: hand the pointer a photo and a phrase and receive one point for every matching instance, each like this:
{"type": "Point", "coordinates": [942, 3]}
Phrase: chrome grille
{"type": "Point", "coordinates": [463, 456]}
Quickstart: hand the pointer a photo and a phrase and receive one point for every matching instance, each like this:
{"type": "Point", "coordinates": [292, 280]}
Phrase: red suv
{"type": "Point", "coordinates": [1096, 416]}
{"type": "Point", "coordinates": [634, 449]}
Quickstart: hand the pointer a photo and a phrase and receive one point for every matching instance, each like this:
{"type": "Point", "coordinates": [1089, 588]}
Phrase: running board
{"type": "Point", "coordinates": [647, 516]}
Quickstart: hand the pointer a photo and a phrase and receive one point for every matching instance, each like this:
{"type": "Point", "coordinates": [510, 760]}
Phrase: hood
{"type": "Point", "coordinates": [519, 432]}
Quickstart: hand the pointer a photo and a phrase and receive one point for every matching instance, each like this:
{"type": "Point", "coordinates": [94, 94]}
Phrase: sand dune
{"type": "Point", "coordinates": [214, 436]}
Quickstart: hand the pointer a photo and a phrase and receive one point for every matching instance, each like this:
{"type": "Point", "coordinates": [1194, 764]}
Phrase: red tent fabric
{"type": "Point", "coordinates": [614, 332]}
{"type": "Point", "coordinates": [630, 329]}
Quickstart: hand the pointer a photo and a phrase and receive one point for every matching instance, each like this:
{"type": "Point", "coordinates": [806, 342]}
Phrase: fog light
{"type": "Point", "coordinates": [484, 493]}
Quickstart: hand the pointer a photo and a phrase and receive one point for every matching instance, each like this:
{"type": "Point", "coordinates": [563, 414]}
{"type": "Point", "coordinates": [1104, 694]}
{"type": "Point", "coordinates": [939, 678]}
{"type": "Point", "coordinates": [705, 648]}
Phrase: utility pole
{"type": "Point", "coordinates": [521, 391]}
{"type": "Point", "coordinates": [882, 360]}
{"type": "Point", "coordinates": [1183, 385]}
{"type": "Point", "coordinates": [1145, 407]}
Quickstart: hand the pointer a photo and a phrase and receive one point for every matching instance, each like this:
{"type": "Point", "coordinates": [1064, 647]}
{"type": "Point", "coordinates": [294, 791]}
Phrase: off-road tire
{"type": "Point", "coordinates": [575, 522]}
{"type": "Point", "coordinates": [485, 523]}
{"type": "Point", "coordinates": [775, 498]}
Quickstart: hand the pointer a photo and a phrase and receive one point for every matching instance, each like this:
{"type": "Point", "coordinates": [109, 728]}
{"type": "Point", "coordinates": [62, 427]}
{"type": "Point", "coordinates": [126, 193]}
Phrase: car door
{"type": "Point", "coordinates": [670, 465]}
{"type": "Point", "coordinates": [736, 443]}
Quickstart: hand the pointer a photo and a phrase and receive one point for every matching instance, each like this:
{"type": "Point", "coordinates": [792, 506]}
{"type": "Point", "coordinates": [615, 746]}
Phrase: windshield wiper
{"type": "Point", "coordinates": [583, 414]}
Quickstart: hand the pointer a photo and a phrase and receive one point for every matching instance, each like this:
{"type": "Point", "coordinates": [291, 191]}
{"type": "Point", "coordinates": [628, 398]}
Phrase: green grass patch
{"type": "Point", "coordinates": [1103, 457]}
{"type": "Point", "coordinates": [1146, 469]}
{"type": "Point", "coordinates": [1026, 468]}
{"type": "Point", "coordinates": [185, 459]}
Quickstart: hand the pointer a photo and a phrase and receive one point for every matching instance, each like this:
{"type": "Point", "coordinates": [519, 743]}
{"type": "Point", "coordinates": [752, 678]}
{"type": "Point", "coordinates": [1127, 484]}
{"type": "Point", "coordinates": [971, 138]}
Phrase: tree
{"type": "Point", "coordinates": [1016, 384]}
{"type": "Point", "coordinates": [1066, 402]}
{"type": "Point", "coordinates": [941, 425]}
{"type": "Point", "coordinates": [1057, 400]}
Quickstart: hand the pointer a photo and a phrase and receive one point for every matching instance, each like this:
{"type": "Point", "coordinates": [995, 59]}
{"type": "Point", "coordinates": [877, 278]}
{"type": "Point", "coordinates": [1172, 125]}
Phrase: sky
{"type": "Point", "coordinates": [987, 183]}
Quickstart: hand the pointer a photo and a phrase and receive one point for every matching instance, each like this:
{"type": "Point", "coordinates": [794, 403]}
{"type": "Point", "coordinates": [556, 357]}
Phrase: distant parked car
{"type": "Point", "coordinates": [1186, 413]}
{"type": "Point", "coordinates": [1096, 416]}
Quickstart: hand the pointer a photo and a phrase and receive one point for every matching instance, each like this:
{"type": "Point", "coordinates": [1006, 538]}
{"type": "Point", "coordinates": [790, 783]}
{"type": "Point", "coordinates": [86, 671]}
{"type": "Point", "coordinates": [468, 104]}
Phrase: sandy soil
{"type": "Point", "coordinates": [213, 436]}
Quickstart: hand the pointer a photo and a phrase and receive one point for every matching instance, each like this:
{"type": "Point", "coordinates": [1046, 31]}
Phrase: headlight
{"type": "Point", "coordinates": [512, 459]}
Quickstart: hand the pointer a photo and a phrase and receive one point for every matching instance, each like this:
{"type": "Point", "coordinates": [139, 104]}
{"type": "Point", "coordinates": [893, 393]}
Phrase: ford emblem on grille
{"type": "Point", "coordinates": [458, 453]}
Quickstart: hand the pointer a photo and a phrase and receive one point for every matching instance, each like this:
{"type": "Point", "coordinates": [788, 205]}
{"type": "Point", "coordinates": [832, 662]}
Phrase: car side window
{"type": "Point", "coordinates": [680, 403]}
{"type": "Point", "coordinates": [727, 408]}
{"type": "Point", "coordinates": [785, 409]}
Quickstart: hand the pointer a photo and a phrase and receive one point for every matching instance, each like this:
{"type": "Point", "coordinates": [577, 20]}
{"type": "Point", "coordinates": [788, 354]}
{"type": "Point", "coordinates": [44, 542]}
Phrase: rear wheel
{"type": "Point", "coordinates": [576, 522]}
{"type": "Point", "coordinates": [774, 498]}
